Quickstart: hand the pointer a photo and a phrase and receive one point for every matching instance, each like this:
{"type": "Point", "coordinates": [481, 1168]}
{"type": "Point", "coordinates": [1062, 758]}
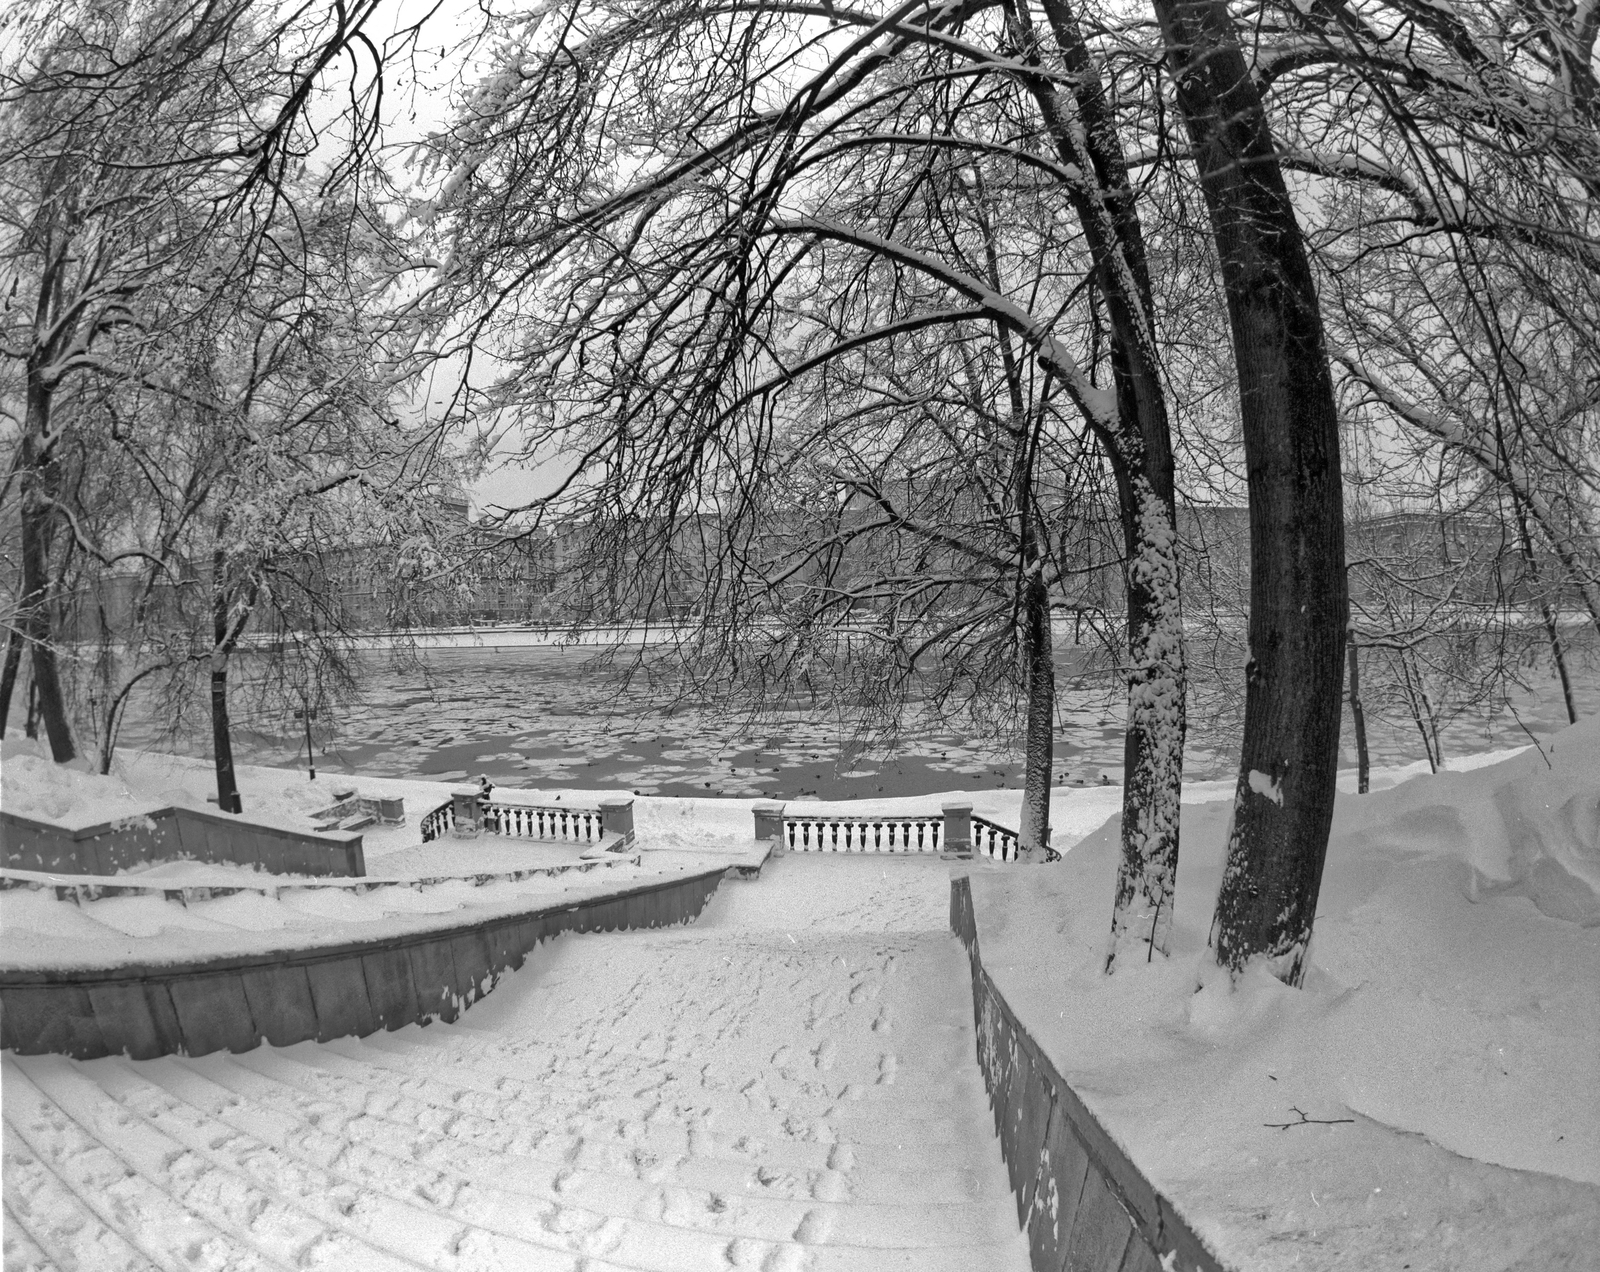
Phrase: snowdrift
{"type": "Point", "coordinates": [1444, 1052]}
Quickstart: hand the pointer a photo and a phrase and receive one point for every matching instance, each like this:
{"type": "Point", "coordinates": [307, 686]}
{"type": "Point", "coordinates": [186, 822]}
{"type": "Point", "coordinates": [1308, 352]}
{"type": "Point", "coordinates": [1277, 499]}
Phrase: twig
{"type": "Point", "coordinates": [1307, 1121]}
{"type": "Point", "coordinates": [1531, 738]}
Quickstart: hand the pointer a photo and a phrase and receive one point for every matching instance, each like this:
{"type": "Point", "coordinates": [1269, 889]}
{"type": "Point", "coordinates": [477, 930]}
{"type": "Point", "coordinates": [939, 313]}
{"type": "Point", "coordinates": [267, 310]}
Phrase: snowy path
{"type": "Point", "coordinates": [790, 1083]}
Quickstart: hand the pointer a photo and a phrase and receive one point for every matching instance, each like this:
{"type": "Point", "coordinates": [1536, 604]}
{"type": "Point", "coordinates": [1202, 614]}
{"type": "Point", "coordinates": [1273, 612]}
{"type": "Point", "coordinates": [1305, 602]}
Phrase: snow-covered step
{"type": "Point", "coordinates": [99, 1155]}
{"type": "Point", "coordinates": [22, 1253]}
{"type": "Point", "coordinates": [354, 1082]}
{"type": "Point", "coordinates": [729, 1095]}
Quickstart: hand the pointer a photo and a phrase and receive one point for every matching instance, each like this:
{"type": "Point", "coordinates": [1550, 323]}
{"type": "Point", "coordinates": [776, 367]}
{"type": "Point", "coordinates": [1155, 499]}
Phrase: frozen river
{"type": "Point", "coordinates": [788, 1083]}
{"type": "Point", "coordinates": [547, 717]}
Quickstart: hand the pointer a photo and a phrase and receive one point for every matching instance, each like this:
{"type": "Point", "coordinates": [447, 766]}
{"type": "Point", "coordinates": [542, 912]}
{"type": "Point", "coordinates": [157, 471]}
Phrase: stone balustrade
{"type": "Point", "coordinates": [467, 816]}
{"type": "Point", "coordinates": [953, 832]}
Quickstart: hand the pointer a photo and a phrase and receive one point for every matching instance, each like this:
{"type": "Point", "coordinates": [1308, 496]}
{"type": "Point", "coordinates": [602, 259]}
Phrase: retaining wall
{"type": "Point", "coordinates": [286, 997]}
{"type": "Point", "coordinates": [1083, 1203]}
{"type": "Point", "coordinates": [168, 834]}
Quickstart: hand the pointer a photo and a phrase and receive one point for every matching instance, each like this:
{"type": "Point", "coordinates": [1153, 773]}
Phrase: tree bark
{"type": "Point", "coordinates": [1283, 806]}
{"type": "Point", "coordinates": [36, 582]}
{"type": "Point", "coordinates": [221, 727]}
{"type": "Point", "coordinates": [1552, 630]}
{"type": "Point", "coordinates": [1083, 127]}
{"type": "Point", "coordinates": [1039, 750]}
{"type": "Point", "coordinates": [1152, 748]}
{"type": "Point", "coordinates": [222, 737]}
{"type": "Point", "coordinates": [1358, 718]}
{"type": "Point", "coordinates": [8, 676]}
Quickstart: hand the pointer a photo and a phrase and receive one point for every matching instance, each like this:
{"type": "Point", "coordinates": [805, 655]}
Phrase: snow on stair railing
{"type": "Point", "coordinates": [468, 816]}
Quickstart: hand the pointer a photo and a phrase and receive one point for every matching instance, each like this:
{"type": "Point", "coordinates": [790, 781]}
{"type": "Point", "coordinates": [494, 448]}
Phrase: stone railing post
{"type": "Point", "coordinates": [769, 822]}
{"type": "Point", "coordinates": [468, 816]}
{"type": "Point", "coordinates": [616, 817]}
{"type": "Point", "coordinates": [957, 829]}
{"type": "Point", "coordinates": [392, 812]}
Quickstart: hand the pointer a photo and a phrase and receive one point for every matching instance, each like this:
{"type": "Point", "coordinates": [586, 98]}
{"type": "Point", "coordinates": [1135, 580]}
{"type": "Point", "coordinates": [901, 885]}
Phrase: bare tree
{"type": "Point", "coordinates": [1284, 804]}
{"type": "Point", "coordinates": [641, 282]}
{"type": "Point", "coordinates": [130, 133]}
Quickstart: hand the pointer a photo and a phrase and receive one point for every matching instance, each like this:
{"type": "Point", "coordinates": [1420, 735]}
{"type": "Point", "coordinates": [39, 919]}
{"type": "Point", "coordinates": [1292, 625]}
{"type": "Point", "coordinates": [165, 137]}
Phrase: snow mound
{"type": "Point", "coordinates": [1529, 825]}
{"type": "Point", "coordinates": [33, 785]}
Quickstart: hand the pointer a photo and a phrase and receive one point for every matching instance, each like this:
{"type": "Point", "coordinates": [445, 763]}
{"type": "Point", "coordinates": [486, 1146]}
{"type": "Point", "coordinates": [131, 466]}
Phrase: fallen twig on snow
{"type": "Point", "coordinates": [1306, 1121]}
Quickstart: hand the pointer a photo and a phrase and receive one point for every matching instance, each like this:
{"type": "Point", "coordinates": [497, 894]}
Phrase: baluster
{"type": "Point", "coordinates": [834, 836]}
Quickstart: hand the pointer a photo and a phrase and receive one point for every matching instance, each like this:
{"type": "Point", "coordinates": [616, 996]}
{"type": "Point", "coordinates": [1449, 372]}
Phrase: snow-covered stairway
{"type": "Point", "coordinates": [789, 1083]}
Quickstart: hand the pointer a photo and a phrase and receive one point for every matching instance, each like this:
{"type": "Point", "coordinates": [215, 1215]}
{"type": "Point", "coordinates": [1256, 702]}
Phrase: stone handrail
{"type": "Point", "coordinates": [990, 839]}
{"type": "Point", "coordinates": [862, 834]}
{"type": "Point", "coordinates": [235, 1003]}
{"type": "Point", "coordinates": [467, 816]}
{"type": "Point", "coordinates": [1083, 1202]}
{"type": "Point", "coordinates": [82, 888]}
{"type": "Point", "coordinates": [174, 834]}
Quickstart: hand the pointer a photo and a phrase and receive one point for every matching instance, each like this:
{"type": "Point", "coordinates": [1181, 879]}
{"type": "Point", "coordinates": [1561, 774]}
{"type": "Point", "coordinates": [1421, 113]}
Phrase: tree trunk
{"type": "Point", "coordinates": [1359, 719]}
{"type": "Point", "coordinates": [1559, 658]}
{"type": "Point", "coordinates": [1083, 127]}
{"type": "Point", "coordinates": [222, 737]}
{"type": "Point", "coordinates": [1034, 837]}
{"type": "Point", "coordinates": [1283, 806]}
{"type": "Point", "coordinates": [221, 728]}
{"type": "Point", "coordinates": [1552, 630]}
{"type": "Point", "coordinates": [36, 593]}
{"type": "Point", "coordinates": [8, 676]}
{"type": "Point", "coordinates": [1152, 748]}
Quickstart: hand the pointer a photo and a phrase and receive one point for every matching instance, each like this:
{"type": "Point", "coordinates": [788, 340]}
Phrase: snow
{"type": "Point", "coordinates": [1263, 784]}
{"type": "Point", "coordinates": [35, 786]}
{"type": "Point", "coordinates": [789, 1083]}
{"type": "Point", "coordinates": [1445, 1049]}
{"type": "Point", "coordinates": [39, 931]}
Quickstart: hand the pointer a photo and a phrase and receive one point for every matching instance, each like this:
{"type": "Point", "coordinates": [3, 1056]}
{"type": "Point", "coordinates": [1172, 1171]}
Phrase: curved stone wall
{"type": "Point", "coordinates": [1083, 1203]}
{"type": "Point", "coordinates": [355, 989]}
{"type": "Point", "coordinates": [176, 834]}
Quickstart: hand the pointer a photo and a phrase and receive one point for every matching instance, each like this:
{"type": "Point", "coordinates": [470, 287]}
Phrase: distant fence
{"type": "Point", "coordinates": [288, 996]}
{"type": "Point", "coordinates": [466, 815]}
{"type": "Point", "coordinates": [990, 839]}
{"type": "Point", "coordinates": [953, 831]}
{"type": "Point", "coordinates": [175, 834]}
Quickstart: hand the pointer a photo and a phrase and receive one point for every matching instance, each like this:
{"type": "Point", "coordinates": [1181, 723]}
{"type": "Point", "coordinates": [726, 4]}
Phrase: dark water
{"type": "Point", "coordinates": [543, 717]}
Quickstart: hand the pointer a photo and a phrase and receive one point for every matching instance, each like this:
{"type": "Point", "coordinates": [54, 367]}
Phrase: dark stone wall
{"type": "Point", "coordinates": [285, 997]}
{"type": "Point", "coordinates": [1083, 1203]}
{"type": "Point", "coordinates": [171, 834]}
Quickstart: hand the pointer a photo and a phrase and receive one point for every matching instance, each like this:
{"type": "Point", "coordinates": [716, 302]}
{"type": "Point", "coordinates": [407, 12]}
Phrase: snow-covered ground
{"type": "Point", "coordinates": [1444, 1053]}
{"type": "Point", "coordinates": [789, 1083]}
{"type": "Point", "coordinates": [677, 1099]}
